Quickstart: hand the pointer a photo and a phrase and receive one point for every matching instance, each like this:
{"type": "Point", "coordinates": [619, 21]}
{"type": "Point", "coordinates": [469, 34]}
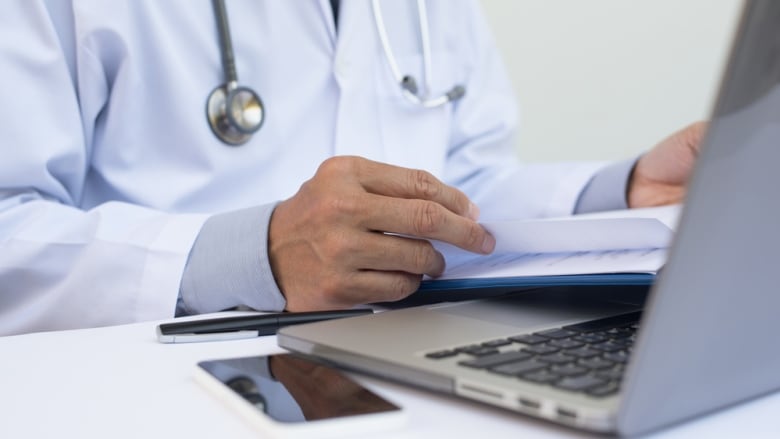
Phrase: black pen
{"type": "Point", "coordinates": [231, 328]}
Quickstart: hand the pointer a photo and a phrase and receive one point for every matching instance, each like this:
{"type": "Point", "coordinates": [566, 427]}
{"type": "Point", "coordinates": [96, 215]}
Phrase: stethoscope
{"type": "Point", "coordinates": [235, 112]}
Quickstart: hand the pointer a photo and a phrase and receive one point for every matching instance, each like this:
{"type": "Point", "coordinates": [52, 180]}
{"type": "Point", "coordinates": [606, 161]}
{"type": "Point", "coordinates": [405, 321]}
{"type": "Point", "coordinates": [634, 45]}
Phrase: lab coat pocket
{"type": "Point", "coordinates": [414, 136]}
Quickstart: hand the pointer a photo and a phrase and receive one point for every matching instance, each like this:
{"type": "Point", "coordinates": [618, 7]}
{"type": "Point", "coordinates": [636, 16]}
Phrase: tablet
{"type": "Point", "coordinates": [288, 396]}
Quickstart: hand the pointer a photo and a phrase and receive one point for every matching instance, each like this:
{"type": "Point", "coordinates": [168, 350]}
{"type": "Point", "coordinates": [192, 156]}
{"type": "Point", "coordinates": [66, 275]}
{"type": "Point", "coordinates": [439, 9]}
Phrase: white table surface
{"type": "Point", "coordinates": [119, 382]}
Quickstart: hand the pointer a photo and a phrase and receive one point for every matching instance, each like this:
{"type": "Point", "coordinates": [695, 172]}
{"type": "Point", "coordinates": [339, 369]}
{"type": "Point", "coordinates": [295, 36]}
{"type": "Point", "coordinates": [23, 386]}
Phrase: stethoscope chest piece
{"type": "Point", "coordinates": [234, 113]}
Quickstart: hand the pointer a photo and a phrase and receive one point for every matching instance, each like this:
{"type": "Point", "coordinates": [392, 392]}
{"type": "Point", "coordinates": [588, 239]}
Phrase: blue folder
{"type": "Point", "coordinates": [523, 282]}
{"type": "Point", "coordinates": [454, 290]}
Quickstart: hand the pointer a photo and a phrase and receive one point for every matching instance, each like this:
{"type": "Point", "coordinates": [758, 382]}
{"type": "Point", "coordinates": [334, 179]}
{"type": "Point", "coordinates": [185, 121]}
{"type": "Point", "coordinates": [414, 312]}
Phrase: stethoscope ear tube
{"type": "Point", "coordinates": [409, 87]}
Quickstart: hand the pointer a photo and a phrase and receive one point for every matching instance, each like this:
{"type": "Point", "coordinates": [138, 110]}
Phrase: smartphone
{"type": "Point", "coordinates": [289, 396]}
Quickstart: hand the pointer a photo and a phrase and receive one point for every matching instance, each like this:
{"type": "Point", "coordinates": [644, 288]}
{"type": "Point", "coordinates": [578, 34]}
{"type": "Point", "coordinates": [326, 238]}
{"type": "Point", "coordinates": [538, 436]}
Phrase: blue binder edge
{"type": "Point", "coordinates": [538, 281]}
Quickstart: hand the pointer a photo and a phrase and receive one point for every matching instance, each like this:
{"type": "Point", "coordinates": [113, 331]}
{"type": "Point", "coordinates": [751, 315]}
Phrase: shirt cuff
{"type": "Point", "coordinates": [607, 189]}
{"type": "Point", "coordinates": [229, 267]}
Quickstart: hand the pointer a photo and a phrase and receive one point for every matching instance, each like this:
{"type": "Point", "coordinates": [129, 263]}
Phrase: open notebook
{"type": "Point", "coordinates": [627, 246]}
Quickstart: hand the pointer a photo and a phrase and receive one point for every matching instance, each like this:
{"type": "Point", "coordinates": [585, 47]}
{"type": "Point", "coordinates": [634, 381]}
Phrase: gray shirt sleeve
{"type": "Point", "coordinates": [228, 265]}
{"type": "Point", "coordinates": [607, 190]}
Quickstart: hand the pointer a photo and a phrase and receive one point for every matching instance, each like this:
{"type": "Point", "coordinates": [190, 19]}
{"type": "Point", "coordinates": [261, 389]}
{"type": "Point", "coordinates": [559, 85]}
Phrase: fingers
{"type": "Point", "coordinates": [381, 286]}
{"type": "Point", "coordinates": [358, 287]}
{"type": "Point", "coordinates": [366, 267]}
{"type": "Point", "coordinates": [408, 202]}
{"type": "Point", "coordinates": [394, 181]}
{"type": "Point", "coordinates": [661, 175]}
{"type": "Point", "coordinates": [426, 219]}
{"type": "Point", "coordinates": [695, 133]}
{"type": "Point", "coordinates": [381, 252]}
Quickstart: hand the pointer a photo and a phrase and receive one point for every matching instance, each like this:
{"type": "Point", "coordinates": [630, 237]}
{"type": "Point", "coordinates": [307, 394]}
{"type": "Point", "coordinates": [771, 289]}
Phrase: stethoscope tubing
{"type": "Point", "coordinates": [408, 84]}
{"type": "Point", "coordinates": [225, 43]}
{"type": "Point", "coordinates": [224, 108]}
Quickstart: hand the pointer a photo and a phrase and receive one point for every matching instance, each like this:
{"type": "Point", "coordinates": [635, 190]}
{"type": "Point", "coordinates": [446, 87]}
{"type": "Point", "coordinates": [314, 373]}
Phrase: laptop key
{"type": "Point", "coordinates": [496, 359]}
{"type": "Point", "coordinates": [556, 358]}
{"type": "Point", "coordinates": [595, 363]}
{"type": "Point", "coordinates": [608, 346]}
{"type": "Point", "coordinates": [478, 350]}
{"type": "Point", "coordinates": [583, 352]}
{"type": "Point", "coordinates": [496, 343]}
{"type": "Point", "coordinates": [579, 383]}
{"type": "Point", "coordinates": [482, 351]}
{"type": "Point", "coordinates": [540, 376]}
{"type": "Point", "coordinates": [518, 368]}
{"type": "Point", "coordinates": [556, 333]}
{"type": "Point", "coordinates": [607, 389]}
{"type": "Point", "coordinates": [441, 354]}
{"type": "Point", "coordinates": [566, 343]}
{"type": "Point", "coordinates": [625, 342]}
{"type": "Point", "coordinates": [620, 332]}
{"type": "Point", "coordinates": [617, 357]}
{"type": "Point", "coordinates": [615, 373]}
{"type": "Point", "coordinates": [591, 338]}
{"type": "Point", "coordinates": [569, 370]}
{"type": "Point", "coordinates": [541, 349]}
{"type": "Point", "coordinates": [528, 339]}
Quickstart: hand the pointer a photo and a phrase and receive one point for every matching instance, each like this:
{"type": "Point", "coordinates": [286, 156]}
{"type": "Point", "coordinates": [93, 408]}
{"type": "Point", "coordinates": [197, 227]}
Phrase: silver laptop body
{"type": "Point", "coordinates": [707, 337]}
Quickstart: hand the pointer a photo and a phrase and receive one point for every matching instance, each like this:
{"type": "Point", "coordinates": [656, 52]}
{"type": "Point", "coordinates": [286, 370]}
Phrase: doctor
{"type": "Point", "coordinates": [130, 191]}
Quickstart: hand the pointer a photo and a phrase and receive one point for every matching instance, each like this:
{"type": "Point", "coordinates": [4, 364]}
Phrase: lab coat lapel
{"type": "Point", "coordinates": [330, 22]}
{"type": "Point", "coordinates": [357, 130]}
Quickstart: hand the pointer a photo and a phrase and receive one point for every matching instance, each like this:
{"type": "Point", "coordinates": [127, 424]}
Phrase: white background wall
{"type": "Point", "coordinates": [607, 79]}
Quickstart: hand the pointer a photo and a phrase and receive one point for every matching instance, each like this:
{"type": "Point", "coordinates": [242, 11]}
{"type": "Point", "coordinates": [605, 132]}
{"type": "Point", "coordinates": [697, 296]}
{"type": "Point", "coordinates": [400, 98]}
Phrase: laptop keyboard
{"type": "Point", "coordinates": [588, 357]}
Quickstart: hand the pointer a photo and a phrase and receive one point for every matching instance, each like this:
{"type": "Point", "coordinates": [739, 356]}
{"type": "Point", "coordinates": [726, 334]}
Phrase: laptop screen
{"type": "Point", "coordinates": [714, 307]}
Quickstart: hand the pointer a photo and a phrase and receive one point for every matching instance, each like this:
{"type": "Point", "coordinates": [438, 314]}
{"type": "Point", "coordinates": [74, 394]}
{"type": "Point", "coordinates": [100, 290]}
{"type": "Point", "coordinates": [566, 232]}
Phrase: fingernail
{"type": "Point", "coordinates": [488, 244]}
{"type": "Point", "coordinates": [473, 212]}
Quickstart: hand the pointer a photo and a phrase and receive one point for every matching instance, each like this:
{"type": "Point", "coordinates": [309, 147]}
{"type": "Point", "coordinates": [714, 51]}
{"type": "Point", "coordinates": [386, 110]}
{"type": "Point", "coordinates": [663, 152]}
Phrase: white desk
{"type": "Point", "coordinates": [118, 382]}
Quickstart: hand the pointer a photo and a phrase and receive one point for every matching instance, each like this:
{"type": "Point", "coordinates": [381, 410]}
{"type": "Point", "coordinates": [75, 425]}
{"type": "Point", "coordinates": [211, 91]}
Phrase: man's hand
{"type": "Point", "coordinates": [336, 242]}
{"type": "Point", "coordinates": [660, 177]}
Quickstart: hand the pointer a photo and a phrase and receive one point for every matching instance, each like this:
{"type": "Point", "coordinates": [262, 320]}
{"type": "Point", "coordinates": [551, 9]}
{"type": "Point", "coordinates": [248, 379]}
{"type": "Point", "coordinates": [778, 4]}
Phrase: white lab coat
{"type": "Point", "coordinates": [108, 167]}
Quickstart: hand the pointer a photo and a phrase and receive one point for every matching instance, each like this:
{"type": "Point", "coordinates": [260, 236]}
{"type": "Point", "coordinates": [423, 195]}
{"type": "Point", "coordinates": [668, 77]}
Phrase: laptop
{"type": "Point", "coordinates": [599, 358]}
